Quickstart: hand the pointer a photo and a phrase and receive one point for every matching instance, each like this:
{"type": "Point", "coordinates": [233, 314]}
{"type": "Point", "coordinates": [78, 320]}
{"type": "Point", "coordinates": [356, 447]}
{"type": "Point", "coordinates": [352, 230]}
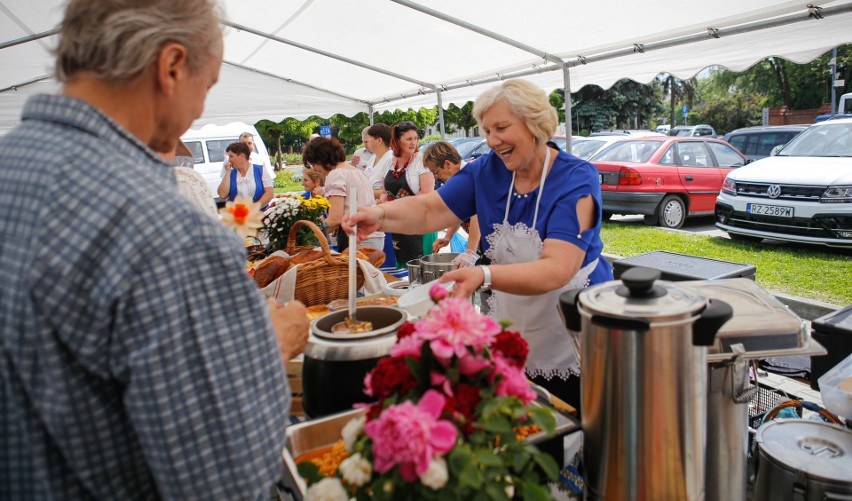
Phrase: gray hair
{"type": "Point", "coordinates": [118, 40]}
{"type": "Point", "coordinates": [247, 134]}
{"type": "Point", "coordinates": [526, 100]}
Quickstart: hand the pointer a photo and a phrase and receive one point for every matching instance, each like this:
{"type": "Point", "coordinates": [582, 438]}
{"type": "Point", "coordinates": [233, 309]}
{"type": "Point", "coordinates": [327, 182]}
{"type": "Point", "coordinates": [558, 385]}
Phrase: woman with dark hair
{"type": "Point", "coordinates": [326, 156]}
{"type": "Point", "coordinates": [379, 139]}
{"type": "Point", "coordinates": [243, 179]}
{"type": "Point", "coordinates": [407, 177]}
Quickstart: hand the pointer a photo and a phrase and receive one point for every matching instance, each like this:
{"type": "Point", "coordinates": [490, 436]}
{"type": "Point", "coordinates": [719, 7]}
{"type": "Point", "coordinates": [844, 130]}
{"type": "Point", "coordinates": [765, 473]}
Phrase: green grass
{"type": "Point", "coordinates": [809, 272]}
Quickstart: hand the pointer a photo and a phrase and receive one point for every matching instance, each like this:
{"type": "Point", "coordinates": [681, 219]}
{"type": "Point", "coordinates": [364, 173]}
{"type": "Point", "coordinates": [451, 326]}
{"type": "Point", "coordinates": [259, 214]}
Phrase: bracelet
{"type": "Point", "coordinates": [486, 280]}
{"type": "Point", "coordinates": [384, 216]}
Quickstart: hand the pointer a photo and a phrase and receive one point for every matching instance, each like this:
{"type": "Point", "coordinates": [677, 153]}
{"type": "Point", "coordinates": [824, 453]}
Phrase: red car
{"type": "Point", "coordinates": [666, 179]}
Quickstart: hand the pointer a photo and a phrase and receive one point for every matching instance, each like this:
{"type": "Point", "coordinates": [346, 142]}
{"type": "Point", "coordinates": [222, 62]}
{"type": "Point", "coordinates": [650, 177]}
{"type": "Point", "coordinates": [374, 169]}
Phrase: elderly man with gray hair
{"type": "Point", "coordinates": [137, 358]}
{"type": "Point", "coordinates": [247, 138]}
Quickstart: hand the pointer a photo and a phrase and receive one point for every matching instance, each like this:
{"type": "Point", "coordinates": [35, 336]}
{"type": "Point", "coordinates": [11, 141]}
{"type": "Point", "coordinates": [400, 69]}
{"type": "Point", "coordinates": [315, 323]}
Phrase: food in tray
{"type": "Point", "coordinates": [350, 326]}
{"type": "Point", "coordinates": [317, 311]}
{"type": "Point", "coordinates": [270, 269]}
{"type": "Point", "coordinates": [379, 301]}
{"type": "Point", "coordinates": [326, 459]}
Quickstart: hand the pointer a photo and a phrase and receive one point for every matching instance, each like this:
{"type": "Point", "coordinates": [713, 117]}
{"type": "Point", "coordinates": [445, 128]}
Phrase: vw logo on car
{"type": "Point", "coordinates": [774, 191]}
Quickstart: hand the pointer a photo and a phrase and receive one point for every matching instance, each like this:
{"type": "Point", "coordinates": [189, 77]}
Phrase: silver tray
{"type": "Point", "coordinates": [325, 432]}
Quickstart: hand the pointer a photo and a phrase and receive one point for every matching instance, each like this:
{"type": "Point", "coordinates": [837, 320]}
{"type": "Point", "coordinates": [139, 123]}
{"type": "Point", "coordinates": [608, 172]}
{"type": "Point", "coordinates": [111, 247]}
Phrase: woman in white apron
{"type": "Point", "coordinates": [539, 211]}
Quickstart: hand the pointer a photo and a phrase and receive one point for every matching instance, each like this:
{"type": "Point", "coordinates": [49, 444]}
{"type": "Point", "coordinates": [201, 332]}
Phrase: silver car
{"type": "Point", "coordinates": [802, 194]}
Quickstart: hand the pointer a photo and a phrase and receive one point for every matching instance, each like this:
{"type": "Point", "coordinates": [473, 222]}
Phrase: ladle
{"type": "Point", "coordinates": [351, 323]}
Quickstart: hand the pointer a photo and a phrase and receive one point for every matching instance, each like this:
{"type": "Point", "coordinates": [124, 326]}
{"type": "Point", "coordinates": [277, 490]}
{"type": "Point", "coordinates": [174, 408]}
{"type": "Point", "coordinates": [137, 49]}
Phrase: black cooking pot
{"type": "Point", "coordinates": [335, 364]}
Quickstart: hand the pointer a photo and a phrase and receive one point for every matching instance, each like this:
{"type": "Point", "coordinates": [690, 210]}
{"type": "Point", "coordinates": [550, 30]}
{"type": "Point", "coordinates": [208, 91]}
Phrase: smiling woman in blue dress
{"type": "Point", "coordinates": [539, 212]}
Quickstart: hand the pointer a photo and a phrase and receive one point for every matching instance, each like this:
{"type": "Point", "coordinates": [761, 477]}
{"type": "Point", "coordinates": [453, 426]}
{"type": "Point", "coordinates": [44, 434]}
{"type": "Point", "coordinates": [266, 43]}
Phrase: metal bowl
{"type": "Point", "coordinates": [433, 266]}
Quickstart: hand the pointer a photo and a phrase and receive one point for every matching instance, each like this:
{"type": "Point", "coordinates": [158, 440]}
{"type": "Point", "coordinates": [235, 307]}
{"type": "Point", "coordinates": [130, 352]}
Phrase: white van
{"type": "Point", "coordinates": [208, 144]}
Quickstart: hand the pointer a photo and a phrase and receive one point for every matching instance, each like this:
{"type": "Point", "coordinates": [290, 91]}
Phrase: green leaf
{"type": "Point", "coordinates": [471, 476]}
{"type": "Point", "coordinates": [532, 491]}
{"type": "Point", "coordinates": [415, 369]}
{"type": "Point", "coordinates": [487, 458]}
{"type": "Point", "coordinates": [520, 460]}
{"type": "Point", "coordinates": [495, 491]}
{"type": "Point", "coordinates": [545, 462]}
{"type": "Point", "coordinates": [309, 471]}
{"type": "Point", "coordinates": [543, 417]}
{"type": "Point", "coordinates": [497, 424]}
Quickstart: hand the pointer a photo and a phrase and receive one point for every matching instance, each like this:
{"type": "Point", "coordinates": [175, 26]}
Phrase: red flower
{"type": "Point", "coordinates": [391, 375]}
{"type": "Point", "coordinates": [405, 330]}
{"type": "Point", "coordinates": [513, 347]}
{"type": "Point", "coordinates": [464, 401]}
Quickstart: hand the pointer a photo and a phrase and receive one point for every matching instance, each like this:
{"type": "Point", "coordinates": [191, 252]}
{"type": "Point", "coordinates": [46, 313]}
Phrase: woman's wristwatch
{"type": "Point", "coordinates": [486, 282]}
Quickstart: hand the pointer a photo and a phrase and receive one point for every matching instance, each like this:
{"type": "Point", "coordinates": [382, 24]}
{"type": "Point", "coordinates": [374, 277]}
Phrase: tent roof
{"type": "Point", "coordinates": [321, 57]}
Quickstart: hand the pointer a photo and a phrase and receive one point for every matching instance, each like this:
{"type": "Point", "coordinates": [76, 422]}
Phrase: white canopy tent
{"type": "Point", "coordinates": [299, 58]}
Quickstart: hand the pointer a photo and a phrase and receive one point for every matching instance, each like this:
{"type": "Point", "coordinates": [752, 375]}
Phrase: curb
{"type": "Point", "coordinates": [808, 309]}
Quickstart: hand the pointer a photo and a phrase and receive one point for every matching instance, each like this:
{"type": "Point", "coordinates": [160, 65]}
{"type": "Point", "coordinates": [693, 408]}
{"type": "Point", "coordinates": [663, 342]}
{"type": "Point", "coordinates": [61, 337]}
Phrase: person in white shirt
{"type": "Point", "coordinates": [255, 158]}
{"type": "Point", "coordinates": [362, 156]}
{"type": "Point", "coordinates": [244, 179]}
{"type": "Point", "coordinates": [378, 139]}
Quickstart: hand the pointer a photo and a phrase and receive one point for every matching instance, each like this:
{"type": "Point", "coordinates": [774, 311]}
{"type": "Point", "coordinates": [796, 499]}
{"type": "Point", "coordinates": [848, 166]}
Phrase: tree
{"type": "Point", "coordinates": [289, 133]}
{"type": "Point", "coordinates": [459, 118]}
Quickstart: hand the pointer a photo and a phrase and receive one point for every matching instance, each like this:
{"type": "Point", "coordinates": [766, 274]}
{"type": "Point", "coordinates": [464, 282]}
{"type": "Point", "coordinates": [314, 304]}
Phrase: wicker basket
{"type": "Point", "coordinates": [323, 280]}
{"type": "Point", "coordinates": [255, 250]}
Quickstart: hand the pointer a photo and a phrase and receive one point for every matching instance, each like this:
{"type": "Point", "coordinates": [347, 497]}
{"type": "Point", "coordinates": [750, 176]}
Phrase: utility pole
{"type": "Point", "coordinates": [833, 65]}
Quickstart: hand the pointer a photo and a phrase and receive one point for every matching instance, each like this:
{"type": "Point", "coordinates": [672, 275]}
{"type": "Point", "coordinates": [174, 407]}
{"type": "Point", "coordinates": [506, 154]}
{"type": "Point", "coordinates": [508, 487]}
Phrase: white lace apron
{"type": "Point", "coordinates": [535, 317]}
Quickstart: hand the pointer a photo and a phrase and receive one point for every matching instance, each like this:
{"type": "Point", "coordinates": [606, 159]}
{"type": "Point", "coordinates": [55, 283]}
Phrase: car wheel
{"type": "Point", "coordinates": [607, 215]}
{"type": "Point", "coordinates": [652, 219]}
{"type": "Point", "coordinates": [744, 238]}
{"type": "Point", "coordinates": [672, 212]}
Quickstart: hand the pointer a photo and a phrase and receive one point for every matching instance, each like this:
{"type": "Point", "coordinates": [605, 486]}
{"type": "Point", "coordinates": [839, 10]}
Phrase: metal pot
{"type": "Point", "coordinates": [803, 460]}
{"type": "Point", "coordinates": [414, 272]}
{"type": "Point", "coordinates": [335, 365]}
{"type": "Point", "coordinates": [644, 395]}
{"type": "Point", "coordinates": [432, 266]}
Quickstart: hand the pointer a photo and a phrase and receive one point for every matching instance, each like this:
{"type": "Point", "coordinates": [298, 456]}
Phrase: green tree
{"type": "Point", "coordinates": [288, 133]}
{"type": "Point", "coordinates": [459, 118]}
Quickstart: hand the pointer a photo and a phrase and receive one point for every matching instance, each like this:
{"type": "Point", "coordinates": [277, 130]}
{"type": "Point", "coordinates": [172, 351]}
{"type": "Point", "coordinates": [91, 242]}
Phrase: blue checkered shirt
{"type": "Point", "coordinates": [137, 359]}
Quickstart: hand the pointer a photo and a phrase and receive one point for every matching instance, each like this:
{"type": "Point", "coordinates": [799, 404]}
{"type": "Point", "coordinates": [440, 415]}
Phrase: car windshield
{"type": "Point", "coordinates": [829, 140]}
{"type": "Point", "coordinates": [628, 151]}
{"type": "Point", "coordinates": [466, 147]}
{"type": "Point", "coordinates": [680, 132]}
{"type": "Point", "coordinates": [585, 149]}
{"type": "Point", "coordinates": [560, 142]}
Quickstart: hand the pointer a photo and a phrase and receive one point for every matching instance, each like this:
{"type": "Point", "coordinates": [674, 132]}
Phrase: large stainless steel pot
{"type": "Point", "coordinates": [432, 266]}
{"type": "Point", "coordinates": [335, 365]}
{"type": "Point", "coordinates": [803, 460]}
{"type": "Point", "coordinates": [644, 395]}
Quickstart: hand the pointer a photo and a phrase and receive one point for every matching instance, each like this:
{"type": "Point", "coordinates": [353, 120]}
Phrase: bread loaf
{"type": "Point", "coordinates": [270, 269]}
{"type": "Point", "coordinates": [305, 257]}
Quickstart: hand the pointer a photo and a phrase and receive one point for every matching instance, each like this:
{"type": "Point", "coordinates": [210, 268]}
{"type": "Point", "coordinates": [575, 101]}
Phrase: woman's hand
{"type": "Point", "coordinates": [467, 280]}
{"type": "Point", "coordinates": [440, 244]}
{"type": "Point", "coordinates": [368, 219]}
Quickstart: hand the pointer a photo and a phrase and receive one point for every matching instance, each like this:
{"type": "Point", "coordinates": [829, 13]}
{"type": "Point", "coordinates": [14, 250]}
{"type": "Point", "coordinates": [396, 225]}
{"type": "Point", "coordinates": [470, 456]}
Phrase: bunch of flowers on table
{"type": "Point", "coordinates": [452, 403]}
{"type": "Point", "coordinates": [284, 211]}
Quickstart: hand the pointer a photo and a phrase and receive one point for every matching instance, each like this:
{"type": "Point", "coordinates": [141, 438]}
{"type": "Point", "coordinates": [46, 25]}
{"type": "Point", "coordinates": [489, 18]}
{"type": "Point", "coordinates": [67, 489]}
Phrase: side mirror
{"type": "Point", "coordinates": [775, 150]}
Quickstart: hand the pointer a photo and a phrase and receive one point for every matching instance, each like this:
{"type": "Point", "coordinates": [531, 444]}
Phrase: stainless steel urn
{"type": "Point", "coordinates": [644, 385]}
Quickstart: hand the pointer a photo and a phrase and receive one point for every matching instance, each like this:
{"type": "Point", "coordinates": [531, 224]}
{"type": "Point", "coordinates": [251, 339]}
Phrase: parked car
{"type": "Point", "coordinates": [587, 147]}
{"type": "Point", "coordinates": [664, 129]}
{"type": "Point", "coordinates": [666, 179]}
{"type": "Point", "coordinates": [626, 133]}
{"type": "Point", "coordinates": [467, 146]}
{"type": "Point", "coordinates": [562, 141]}
{"type": "Point", "coordinates": [758, 142]}
{"type": "Point", "coordinates": [802, 194]}
{"type": "Point", "coordinates": [701, 130]}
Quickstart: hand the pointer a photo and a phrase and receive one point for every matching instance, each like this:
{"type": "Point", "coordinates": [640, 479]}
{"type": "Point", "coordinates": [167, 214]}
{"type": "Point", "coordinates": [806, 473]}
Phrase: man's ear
{"type": "Point", "coordinates": [171, 67]}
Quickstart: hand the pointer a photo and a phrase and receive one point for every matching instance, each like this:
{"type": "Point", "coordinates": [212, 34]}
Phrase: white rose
{"type": "Point", "coordinates": [436, 475]}
{"type": "Point", "coordinates": [356, 470]}
{"type": "Point", "coordinates": [351, 431]}
{"type": "Point", "coordinates": [327, 489]}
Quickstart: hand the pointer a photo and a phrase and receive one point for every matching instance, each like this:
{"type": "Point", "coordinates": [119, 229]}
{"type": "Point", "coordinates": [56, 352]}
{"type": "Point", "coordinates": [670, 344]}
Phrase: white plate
{"type": "Point", "coordinates": [417, 301]}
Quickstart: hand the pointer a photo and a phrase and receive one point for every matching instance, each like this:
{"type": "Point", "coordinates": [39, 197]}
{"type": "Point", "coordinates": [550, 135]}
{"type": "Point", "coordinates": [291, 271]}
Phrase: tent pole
{"type": "Point", "coordinates": [372, 118]}
{"type": "Point", "coordinates": [28, 38]}
{"type": "Point", "coordinates": [566, 74]}
{"type": "Point", "coordinates": [441, 115]}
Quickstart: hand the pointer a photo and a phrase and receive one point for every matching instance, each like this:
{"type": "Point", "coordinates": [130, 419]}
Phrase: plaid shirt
{"type": "Point", "coordinates": [137, 359]}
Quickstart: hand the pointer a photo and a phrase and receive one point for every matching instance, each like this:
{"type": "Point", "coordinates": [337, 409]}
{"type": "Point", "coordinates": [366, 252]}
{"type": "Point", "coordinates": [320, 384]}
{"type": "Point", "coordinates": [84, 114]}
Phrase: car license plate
{"type": "Point", "coordinates": [769, 210]}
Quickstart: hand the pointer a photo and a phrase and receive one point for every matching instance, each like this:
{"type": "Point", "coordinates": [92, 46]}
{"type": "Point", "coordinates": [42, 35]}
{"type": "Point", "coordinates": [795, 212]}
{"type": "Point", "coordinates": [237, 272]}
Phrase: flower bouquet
{"type": "Point", "coordinates": [284, 211]}
{"type": "Point", "coordinates": [453, 407]}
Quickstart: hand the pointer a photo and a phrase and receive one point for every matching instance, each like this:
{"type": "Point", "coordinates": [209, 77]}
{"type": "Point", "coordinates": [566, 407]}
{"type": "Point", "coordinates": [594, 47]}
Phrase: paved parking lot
{"type": "Point", "coordinates": [695, 225]}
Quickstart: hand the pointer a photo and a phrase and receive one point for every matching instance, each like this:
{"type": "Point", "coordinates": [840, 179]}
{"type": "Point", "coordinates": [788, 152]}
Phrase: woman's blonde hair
{"type": "Point", "coordinates": [526, 100]}
{"type": "Point", "coordinates": [313, 175]}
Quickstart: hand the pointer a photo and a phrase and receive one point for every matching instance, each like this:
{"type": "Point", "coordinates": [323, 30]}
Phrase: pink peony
{"type": "Point", "coordinates": [408, 346]}
{"type": "Point", "coordinates": [454, 325]}
{"type": "Point", "coordinates": [409, 436]}
{"type": "Point", "coordinates": [437, 292]}
{"type": "Point", "coordinates": [514, 382]}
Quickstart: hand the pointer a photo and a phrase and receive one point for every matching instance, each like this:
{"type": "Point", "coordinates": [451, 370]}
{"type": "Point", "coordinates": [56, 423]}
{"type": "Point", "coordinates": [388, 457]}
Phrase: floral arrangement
{"type": "Point", "coordinates": [242, 215]}
{"type": "Point", "coordinates": [450, 401]}
{"type": "Point", "coordinates": [284, 211]}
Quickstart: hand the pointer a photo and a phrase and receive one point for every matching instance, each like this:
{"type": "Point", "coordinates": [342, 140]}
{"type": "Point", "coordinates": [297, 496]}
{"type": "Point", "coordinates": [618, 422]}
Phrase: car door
{"type": "Point", "coordinates": [698, 175]}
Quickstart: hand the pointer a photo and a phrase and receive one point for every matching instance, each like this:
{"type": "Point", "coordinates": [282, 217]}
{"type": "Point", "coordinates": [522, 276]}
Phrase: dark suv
{"type": "Point", "coordinates": [757, 142]}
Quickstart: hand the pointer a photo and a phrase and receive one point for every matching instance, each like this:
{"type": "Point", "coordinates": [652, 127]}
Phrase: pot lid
{"type": "Point", "coordinates": [641, 295]}
{"type": "Point", "coordinates": [815, 448]}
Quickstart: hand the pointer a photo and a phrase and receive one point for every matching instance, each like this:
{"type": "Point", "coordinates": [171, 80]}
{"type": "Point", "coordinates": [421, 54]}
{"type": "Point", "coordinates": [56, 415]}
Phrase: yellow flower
{"type": "Point", "coordinates": [243, 216]}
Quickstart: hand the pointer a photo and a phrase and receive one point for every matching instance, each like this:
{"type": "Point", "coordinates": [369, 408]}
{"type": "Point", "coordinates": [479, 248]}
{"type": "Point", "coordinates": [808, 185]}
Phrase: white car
{"type": "Point", "coordinates": [802, 194]}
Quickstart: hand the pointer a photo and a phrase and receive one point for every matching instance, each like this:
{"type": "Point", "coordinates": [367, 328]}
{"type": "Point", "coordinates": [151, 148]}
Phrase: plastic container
{"type": "Point", "coordinates": [835, 387]}
{"type": "Point", "coordinates": [417, 301]}
{"type": "Point", "coordinates": [678, 267]}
